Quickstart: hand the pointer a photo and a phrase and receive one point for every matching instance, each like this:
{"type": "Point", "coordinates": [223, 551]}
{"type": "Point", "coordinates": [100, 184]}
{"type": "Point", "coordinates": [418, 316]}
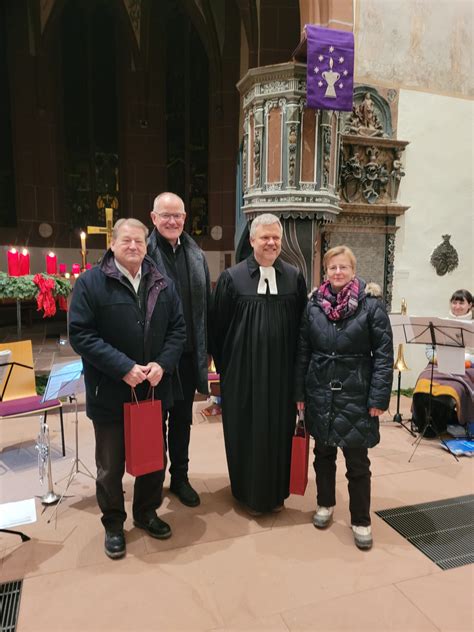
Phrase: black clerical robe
{"type": "Point", "coordinates": [254, 347]}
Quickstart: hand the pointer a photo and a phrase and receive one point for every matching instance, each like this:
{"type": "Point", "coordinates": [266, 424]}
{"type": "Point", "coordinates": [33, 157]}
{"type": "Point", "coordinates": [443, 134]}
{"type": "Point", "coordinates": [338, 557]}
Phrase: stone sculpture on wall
{"type": "Point", "coordinates": [364, 121]}
{"type": "Point", "coordinates": [444, 257]}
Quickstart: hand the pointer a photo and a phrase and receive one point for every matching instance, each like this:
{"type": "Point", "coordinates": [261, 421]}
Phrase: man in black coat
{"type": "Point", "coordinates": [127, 325]}
{"type": "Point", "coordinates": [177, 255]}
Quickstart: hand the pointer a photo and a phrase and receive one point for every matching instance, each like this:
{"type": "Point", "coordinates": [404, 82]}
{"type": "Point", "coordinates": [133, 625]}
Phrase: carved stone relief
{"type": "Point", "coordinates": [444, 257]}
{"type": "Point", "coordinates": [370, 174]}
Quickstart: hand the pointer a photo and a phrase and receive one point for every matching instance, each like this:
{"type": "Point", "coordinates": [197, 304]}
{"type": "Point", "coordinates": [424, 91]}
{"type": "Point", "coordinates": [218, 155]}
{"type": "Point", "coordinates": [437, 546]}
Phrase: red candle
{"type": "Point", "coordinates": [88, 266]}
{"type": "Point", "coordinates": [76, 268]}
{"type": "Point", "coordinates": [24, 262]}
{"type": "Point", "coordinates": [51, 263]}
{"type": "Point", "coordinates": [13, 257]}
{"type": "Point", "coordinates": [62, 268]}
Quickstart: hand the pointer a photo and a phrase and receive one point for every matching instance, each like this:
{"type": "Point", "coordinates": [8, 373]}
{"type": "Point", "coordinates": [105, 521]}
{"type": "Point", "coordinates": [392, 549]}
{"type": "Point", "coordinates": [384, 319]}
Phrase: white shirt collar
{"type": "Point", "coordinates": [178, 243]}
{"type": "Point", "coordinates": [267, 278]}
{"type": "Point", "coordinates": [135, 281]}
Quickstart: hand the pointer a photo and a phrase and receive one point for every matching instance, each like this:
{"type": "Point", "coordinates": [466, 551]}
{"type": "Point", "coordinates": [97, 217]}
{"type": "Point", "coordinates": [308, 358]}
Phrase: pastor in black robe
{"type": "Point", "coordinates": [254, 347]}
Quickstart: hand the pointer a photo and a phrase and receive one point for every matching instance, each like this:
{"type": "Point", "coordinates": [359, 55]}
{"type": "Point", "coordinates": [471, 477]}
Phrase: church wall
{"type": "Point", "coordinates": [34, 118]}
{"type": "Point", "coordinates": [424, 45]}
{"type": "Point", "coordinates": [142, 128]}
{"type": "Point", "coordinates": [438, 188]}
{"type": "Point", "coordinates": [424, 49]}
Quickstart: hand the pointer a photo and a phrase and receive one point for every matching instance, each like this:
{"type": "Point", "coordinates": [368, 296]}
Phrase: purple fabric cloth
{"type": "Point", "coordinates": [463, 385]}
{"type": "Point", "coordinates": [26, 405]}
{"type": "Point", "coordinates": [330, 68]}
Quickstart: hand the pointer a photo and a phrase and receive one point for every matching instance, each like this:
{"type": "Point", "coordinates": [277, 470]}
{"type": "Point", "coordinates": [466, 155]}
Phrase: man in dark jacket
{"type": "Point", "coordinates": [177, 255]}
{"type": "Point", "coordinates": [126, 324]}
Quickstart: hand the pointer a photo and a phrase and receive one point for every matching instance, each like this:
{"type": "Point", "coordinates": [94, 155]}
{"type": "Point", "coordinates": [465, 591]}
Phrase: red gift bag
{"type": "Point", "coordinates": [143, 436]}
{"type": "Point", "coordinates": [299, 459]}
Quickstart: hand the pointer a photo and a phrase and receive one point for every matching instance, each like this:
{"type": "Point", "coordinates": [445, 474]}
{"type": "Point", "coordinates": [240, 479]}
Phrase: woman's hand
{"type": "Point", "coordinates": [300, 405]}
{"type": "Point", "coordinates": [375, 412]}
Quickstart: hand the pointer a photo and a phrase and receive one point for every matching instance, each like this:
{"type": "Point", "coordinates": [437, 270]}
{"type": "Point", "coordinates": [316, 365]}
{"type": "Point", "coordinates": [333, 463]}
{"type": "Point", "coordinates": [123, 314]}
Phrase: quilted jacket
{"type": "Point", "coordinates": [344, 368]}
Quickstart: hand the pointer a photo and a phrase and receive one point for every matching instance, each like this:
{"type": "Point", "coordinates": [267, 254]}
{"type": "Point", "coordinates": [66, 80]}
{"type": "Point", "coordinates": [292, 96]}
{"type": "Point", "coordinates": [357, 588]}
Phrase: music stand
{"type": "Point", "coordinates": [72, 388]}
{"type": "Point", "coordinates": [64, 380]}
{"type": "Point", "coordinates": [435, 332]}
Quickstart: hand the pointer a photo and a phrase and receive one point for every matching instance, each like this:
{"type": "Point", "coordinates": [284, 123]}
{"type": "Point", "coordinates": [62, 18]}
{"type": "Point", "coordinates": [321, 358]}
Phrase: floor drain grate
{"type": "Point", "coordinates": [443, 530]}
{"type": "Point", "coordinates": [10, 594]}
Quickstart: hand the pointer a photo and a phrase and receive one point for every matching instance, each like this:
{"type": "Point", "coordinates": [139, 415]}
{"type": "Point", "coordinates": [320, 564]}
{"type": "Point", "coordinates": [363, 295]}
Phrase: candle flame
{"type": "Point", "coordinates": [83, 235]}
{"type": "Point", "coordinates": [13, 250]}
{"type": "Point", "coordinates": [67, 275]}
{"type": "Point", "coordinates": [24, 251]}
{"type": "Point", "coordinates": [51, 254]}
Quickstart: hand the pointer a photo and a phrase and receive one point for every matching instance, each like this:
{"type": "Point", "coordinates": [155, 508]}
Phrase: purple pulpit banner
{"type": "Point", "coordinates": [330, 69]}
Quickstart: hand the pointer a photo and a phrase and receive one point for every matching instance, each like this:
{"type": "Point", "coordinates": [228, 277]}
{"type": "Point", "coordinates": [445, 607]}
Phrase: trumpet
{"type": "Point", "coordinates": [43, 447]}
{"type": "Point", "coordinates": [400, 364]}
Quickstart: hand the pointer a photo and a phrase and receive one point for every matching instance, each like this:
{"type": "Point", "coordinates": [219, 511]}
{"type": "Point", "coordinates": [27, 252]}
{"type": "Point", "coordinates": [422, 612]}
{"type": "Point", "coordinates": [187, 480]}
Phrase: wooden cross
{"type": "Point", "coordinates": [104, 230]}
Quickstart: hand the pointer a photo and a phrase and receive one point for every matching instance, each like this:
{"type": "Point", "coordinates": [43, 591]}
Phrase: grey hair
{"type": "Point", "coordinates": [159, 197]}
{"type": "Point", "coordinates": [264, 220]}
{"type": "Point", "coordinates": [131, 221]}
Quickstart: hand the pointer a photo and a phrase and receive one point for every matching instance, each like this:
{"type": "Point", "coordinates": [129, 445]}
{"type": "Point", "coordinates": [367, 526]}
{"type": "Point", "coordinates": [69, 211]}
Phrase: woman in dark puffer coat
{"type": "Point", "coordinates": [344, 379]}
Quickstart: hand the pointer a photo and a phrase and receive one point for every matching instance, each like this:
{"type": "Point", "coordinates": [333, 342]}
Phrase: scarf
{"type": "Point", "coordinates": [341, 306]}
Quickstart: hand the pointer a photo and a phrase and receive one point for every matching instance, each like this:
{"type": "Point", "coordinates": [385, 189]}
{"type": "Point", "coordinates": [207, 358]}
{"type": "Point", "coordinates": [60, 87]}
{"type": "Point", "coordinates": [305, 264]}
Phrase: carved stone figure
{"type": "Point", "coordinates": [396, 175]}
{"type": "Point", "coordinates": [256, 158]}
{"type": "Point", "coordinates": [444, 257]}
{"type": "Point", "coordinates": [363, 120]}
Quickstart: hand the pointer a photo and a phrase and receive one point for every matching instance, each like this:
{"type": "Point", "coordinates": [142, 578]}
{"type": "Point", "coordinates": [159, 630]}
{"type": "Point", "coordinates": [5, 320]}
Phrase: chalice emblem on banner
{"type": "Point", "coordinates": [330, 68]}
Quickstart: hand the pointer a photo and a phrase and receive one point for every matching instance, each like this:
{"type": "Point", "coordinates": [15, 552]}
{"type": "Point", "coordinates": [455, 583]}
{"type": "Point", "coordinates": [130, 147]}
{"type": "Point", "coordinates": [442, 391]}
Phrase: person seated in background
{"type": "Point", "coordinates": [452, 395]}
{"type": "Point", "coordinates": [460, 305]}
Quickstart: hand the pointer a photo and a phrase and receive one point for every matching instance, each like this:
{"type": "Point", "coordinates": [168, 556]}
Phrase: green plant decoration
{"type": "Point", "coordinates": [23, 288]}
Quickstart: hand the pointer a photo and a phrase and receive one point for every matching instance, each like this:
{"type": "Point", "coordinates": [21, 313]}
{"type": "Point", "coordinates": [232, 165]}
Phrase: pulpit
{"type": "Point", "coordinates": [289, 161]}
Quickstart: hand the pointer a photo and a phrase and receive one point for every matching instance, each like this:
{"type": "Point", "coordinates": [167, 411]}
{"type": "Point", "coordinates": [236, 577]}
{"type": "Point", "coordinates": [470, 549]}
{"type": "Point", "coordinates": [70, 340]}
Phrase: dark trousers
{"type": "Point", "coordinates": [110, 461]}
{"type": "Point", "coordinates": [180, 418]}
{"type": "Point", "coordinates": [358, 476]}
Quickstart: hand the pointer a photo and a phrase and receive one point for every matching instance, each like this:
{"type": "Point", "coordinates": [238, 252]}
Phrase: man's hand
{"type": "Point", "coordinates": [154, 373]}
{"type": "Point", "coordinates": [300, 405]}
{"type": "Point", "coordinates": [375, 412]}
{"type": "Point", "coordinates": [136, 375]}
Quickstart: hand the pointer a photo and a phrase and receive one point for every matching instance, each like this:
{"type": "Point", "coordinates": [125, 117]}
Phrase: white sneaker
{"type": "Point", "coordinates": [323, 517]}
{"type": "Point", "coordinates": [362, 537]}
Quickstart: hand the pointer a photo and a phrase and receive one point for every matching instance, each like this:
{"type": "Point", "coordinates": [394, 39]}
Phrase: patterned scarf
{"type": "Point", "coordinates": [343, 304]}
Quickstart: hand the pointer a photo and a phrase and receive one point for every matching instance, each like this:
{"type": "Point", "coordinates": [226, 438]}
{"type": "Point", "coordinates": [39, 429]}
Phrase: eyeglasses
{"type": "Point", "coordinates": [340, 268]}
{"type": "Point", "coordinates": [166, 217]}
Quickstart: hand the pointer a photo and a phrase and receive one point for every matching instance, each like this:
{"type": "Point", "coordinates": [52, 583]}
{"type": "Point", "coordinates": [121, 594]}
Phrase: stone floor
{"type": "Point", "coordinates": [223, 570]}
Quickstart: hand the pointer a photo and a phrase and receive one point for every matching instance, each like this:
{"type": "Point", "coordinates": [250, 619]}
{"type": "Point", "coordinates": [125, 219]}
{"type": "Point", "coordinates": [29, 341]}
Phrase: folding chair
{"type": "Point", "coordinates": [18, 397]}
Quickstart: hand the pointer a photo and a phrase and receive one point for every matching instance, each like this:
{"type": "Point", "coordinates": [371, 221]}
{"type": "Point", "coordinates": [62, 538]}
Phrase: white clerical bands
{"type": "Point", "coordinates": [267, 277]}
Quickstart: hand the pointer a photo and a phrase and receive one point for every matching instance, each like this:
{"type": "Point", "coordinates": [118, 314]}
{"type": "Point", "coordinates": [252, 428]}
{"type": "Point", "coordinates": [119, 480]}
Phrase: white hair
{"type": "Point", "coordinates": [264, 220]}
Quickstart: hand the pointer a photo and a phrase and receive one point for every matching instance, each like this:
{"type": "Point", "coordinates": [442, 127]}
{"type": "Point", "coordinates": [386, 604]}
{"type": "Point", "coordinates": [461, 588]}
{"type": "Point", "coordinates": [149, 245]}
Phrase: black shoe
{"type": "Point", "coordinates": [187, 495]}
{"type": "Point", "coordinates": [155, 527]}
{"type": "Point", "coordinates": [114, 544]}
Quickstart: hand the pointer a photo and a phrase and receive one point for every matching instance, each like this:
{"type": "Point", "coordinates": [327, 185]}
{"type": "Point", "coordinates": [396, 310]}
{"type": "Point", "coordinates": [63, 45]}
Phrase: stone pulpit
{"type": "Point", "coordinates": [331, 177]}
{"type": "Point", "coordinates": [290, 161]}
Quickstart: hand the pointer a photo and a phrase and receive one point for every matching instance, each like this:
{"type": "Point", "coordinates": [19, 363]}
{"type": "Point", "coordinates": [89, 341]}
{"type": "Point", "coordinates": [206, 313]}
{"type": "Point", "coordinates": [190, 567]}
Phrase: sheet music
{"type": "Point", "coordinates": [65, 379]}
{"type": "Point", "coordinates": [451, 360]}
{"type": "Point", "coordinates": [19, 512]}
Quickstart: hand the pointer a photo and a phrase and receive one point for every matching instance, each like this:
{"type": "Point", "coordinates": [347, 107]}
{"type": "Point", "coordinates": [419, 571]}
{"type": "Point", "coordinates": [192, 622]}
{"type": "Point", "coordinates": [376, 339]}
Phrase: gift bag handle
{"type": "Point", "coordinates": [134, 394]}
{"type": "Point", "coordinates": [151, 391]}
{"type": "Point", "coordinates": [300, 429]}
